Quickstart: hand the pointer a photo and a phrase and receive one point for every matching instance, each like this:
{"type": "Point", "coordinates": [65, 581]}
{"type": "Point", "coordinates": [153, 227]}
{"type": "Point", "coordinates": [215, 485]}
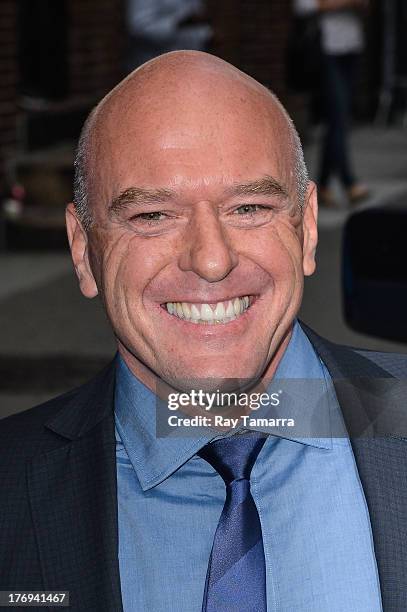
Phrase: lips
{"type": "Point", "coordinates": [209, 314]}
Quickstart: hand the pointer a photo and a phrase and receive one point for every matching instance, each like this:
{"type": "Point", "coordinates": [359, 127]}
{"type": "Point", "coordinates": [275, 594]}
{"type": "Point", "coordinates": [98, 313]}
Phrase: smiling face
{"type": "Point", "coordinates": [198, 246]}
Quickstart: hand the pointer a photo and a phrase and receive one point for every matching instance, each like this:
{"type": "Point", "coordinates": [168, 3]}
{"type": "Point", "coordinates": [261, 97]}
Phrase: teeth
{"type": "Point", "coordinates": [186, 310]}
{"type": "Point", "coordinates": [179, 310]}
{"type": "Point", "coordinates": [195, 314]}
{"type": "Point", "coordinates": [206, 312]}
{"type": "Point", "coordinates": [230, 311]}
{"type": "Point", "coordinates": [236, 306]}
{"type": "Point", "coordinates": [222, 312]}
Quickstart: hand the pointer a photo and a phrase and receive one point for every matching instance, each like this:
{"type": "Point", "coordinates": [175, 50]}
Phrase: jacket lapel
{"type": "Point", "coordinates": [364, 392]}
{"type": "Point", "coordinates": [72, 490]}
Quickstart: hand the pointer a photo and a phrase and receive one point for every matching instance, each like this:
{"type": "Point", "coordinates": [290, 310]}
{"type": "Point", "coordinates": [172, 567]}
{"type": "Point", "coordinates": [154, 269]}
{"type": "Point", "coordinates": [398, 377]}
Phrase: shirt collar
{"type": "Point", "coordinates": [155, 458]}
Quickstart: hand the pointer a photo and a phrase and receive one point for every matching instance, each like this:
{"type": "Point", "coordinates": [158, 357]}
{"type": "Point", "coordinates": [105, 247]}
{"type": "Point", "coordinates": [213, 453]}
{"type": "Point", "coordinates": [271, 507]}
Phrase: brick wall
{"type": "Point", "coordinates": [250, 34]}
{"type": "Point", "coordinates": [8, 79]}
{"type": "Point", "coordinates": [96, 42]}
{"type": "Point", "coordinates": [264, 31]}
{"type": "Point", "coordinates": [253, 35]}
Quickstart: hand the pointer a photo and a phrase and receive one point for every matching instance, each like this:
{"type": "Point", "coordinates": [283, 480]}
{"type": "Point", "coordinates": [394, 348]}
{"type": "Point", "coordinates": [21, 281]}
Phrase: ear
{"type": "Point", "coordinates": [78, 243]}
{"type": "Point", "coordinates": [310, 231]}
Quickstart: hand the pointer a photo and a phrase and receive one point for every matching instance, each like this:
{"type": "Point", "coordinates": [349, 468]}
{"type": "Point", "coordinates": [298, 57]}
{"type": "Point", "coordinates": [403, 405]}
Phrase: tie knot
{"type": "Point", "coordinates": [233, 457]}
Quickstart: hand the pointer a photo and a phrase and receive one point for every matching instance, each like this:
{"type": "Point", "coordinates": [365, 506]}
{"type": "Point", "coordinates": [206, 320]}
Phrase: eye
{"type": "Point", "coordinates": [149, 217]}
{"type": "Point", "coordinates": [153, 222]}
{"type": "Point", "coordinates": [250, 209]}
{"type": "Point", "coordinates": [250, 215]}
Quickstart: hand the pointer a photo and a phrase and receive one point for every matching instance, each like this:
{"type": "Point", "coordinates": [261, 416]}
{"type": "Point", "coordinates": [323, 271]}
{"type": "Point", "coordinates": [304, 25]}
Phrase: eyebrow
{"type": "Point", "coordinates": [136, 196]}
{"type": "Point", "coordinates": [264, 186]}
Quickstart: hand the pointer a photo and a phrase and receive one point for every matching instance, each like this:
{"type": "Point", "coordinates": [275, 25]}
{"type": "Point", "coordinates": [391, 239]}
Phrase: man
{"type": "Point", "coordinates": [342, 42]}
{"type": "Point", "coordinates": [195, 222]}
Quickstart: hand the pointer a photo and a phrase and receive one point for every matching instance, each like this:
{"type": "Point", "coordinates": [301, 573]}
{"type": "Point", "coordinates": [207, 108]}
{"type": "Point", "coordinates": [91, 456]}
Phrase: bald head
{"type": "Point", "coordinates": [181, 100]}
{"type": "Point", "coordinates": [191, 177]}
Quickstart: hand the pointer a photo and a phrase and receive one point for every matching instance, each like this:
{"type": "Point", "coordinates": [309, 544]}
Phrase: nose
{"type": "Point", "coordinates": [207, 251]}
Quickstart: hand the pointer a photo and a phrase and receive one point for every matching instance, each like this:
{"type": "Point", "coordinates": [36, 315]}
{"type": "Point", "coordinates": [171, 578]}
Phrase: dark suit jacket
{"type": "Point", "coordinates": [58, 504]}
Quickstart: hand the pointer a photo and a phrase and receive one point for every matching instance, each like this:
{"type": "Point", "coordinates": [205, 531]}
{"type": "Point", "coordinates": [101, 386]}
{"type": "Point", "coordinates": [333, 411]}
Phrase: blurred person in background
{"type": "Point", "coordinates": [341, 42]}
{"type": "Point", "coordinates": [158, 26]}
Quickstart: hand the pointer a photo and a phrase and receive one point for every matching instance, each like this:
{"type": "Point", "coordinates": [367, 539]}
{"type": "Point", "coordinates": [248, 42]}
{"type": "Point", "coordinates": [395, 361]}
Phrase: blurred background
{"type": "Point", "coordinates": [59, 57]}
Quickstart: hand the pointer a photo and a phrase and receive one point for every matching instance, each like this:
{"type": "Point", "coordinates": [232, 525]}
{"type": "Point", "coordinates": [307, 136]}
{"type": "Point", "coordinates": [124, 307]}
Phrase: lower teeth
{"type": "Point", "coordinates": [215, 322]}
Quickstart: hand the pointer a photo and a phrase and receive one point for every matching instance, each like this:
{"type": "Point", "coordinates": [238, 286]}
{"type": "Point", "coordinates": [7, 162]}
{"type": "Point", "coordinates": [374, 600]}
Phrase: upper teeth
{"type": "Point", "coordinates": [221, 312]}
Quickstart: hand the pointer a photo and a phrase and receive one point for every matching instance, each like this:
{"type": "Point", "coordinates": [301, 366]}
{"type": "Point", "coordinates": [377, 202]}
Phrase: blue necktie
{"type": "Point", "coordinates": [236, 576]}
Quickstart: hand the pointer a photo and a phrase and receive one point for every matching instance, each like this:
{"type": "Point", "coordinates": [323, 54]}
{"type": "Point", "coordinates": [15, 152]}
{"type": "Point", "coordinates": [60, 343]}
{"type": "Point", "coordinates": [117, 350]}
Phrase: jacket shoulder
{"type": "Point", "coordinates": [394, 363]}
{"type": "Point", "coordinates": [343, 360]}
{"type": "Point", "coordinates": [24, 425]}
{"type": "Point", "coordinates": [24, 433]}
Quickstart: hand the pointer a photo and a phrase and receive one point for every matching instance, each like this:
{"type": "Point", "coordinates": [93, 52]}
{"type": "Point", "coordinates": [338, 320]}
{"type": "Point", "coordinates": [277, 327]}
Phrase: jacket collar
{"type": "Point", "coordinates": [86, 407]}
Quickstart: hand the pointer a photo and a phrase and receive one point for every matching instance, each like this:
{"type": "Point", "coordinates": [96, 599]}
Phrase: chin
{"type": "Point", "coordinates": [212, 378]}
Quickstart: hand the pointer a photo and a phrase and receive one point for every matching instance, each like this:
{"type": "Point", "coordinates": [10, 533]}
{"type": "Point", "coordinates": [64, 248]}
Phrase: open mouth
{"type": "Point", "coordinates": [210, 314]}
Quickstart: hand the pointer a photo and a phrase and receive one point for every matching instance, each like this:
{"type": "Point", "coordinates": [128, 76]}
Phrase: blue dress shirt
{"type": "Point", "coordinates": [315, 522]}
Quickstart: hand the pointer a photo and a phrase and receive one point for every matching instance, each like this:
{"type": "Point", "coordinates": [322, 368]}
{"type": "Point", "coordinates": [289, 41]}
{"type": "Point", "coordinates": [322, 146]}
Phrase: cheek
{"type": "Point", "coordinates": [129, 265]}
{"type": "Point", "coordinates": [277, 250]}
